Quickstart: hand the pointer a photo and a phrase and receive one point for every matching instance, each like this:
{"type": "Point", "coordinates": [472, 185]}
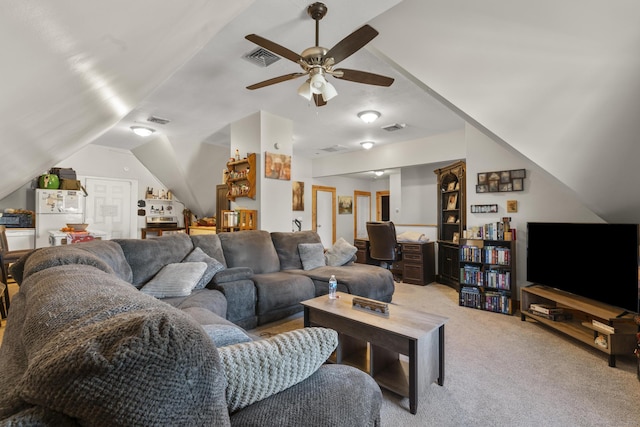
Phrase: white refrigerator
{"type": "Point", "coordinates": [55, 209]}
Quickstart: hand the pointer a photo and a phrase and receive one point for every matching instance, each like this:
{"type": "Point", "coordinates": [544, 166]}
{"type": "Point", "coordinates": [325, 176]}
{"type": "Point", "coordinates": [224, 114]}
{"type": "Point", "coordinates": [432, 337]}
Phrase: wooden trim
{"type": "Point", "coordinates": [314, 208]}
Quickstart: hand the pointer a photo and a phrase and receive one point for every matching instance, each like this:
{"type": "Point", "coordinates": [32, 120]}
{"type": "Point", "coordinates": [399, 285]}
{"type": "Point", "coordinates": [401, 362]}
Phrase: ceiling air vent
{"type": "Point", "coordinates": [158, 120]}
{"type": "Point", "coordinates": [261, 57]}
{"type": "Point", "coordinates": [334, 148]}
{"type": "Point", "coordinates": [394, 127]}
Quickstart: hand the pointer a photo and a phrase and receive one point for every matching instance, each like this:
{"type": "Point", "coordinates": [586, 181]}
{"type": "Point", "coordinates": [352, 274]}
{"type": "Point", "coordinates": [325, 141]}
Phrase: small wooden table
{"type": "Point", "coordinates": [374, 342]}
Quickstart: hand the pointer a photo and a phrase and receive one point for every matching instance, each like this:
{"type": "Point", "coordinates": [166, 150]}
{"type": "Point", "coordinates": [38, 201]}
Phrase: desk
{"type": "Point", "coordinates": [417, 266]}
{"type": "Point", "coordinates": [159, 230]}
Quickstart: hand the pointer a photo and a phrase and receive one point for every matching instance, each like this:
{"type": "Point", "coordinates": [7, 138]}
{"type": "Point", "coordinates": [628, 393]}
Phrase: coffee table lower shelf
{"type": "Point", "coordinates": [404, 353]}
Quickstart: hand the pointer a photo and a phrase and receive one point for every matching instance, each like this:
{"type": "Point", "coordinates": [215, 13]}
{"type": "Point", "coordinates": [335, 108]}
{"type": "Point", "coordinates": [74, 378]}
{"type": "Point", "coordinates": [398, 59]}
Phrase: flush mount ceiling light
{"type": "Point", "coordinates": [369, 116]}
{"type": "Point", "coordinates": [378, 173]}
{"type": "Point", "coordinates": [142, 131]}
{"type": "Point", "coordinates": [367, 144]}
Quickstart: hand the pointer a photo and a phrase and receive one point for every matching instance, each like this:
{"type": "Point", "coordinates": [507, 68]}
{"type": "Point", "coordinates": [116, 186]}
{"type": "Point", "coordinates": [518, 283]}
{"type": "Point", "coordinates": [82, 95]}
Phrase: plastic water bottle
{"type": "Point", "coordinates": [333, 287]}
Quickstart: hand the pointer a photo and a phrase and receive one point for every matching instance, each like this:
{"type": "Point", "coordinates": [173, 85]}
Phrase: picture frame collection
{"type": "Point", "coordinates": [501, 181]}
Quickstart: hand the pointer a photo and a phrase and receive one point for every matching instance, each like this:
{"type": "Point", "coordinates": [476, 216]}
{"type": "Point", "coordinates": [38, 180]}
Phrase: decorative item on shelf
{"type": "Point", "coordinates": [501, 181]}
{"type": "Point", "coordinates": [484, 208]}
{"type": "Point", "coordinates": [237, 155]}
{"type": "Point", "coordinates": [369, 305]}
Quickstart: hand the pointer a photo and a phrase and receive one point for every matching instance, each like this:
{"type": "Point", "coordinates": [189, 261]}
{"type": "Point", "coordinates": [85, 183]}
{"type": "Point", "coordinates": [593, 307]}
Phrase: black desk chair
{"type": "Point", "coordinates": [383, 245]}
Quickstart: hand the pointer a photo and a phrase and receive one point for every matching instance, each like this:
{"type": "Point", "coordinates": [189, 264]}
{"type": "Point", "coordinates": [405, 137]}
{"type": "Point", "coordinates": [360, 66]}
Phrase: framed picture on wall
{"type": "Point", "coordinates": [297, 200]}
{"type": "Point", "coordinates": [345, 205]}
{"type": "Point", "coordinates": [277, 166]}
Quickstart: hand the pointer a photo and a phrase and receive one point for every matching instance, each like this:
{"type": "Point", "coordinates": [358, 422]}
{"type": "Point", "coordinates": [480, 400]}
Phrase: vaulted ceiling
{"type": "Point", "coordinates": [555, 80]}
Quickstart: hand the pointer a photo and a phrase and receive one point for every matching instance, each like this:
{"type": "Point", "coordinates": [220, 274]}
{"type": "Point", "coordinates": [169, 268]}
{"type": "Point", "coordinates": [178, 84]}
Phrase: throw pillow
{"type": "Point", "coordinates": [311, 255]}
{"type": "Point", "coordinates": [175, 280]}
{"type": "Point", "coordinates": [213, 266]}
{"type": "Point", "coordinates": [259, 369]}
{"type": "Point", "coordinates": [340, 253]}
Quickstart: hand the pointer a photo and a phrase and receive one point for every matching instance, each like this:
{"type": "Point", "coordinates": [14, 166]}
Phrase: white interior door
{"type": "Point", "coordinates": [109, 206]}
{"type": "Point", "coordinates": [324, 222]}
{"type": "Point", "coordinates": [363, 214]}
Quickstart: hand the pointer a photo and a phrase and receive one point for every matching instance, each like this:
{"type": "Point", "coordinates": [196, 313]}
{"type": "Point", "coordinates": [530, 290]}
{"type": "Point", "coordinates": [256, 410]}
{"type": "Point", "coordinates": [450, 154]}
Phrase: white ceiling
{"type": "Point", "coordinates": [209, 91]}
{"type": "Point", "coordinates": [557, 81]}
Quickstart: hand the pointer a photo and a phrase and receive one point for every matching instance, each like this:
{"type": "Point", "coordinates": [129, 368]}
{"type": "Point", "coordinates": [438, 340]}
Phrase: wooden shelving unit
{"type": "Point", "coordinates": [452, 219]}
{"type": "Point", "coordinates": [240, 219]}
{"type": "Point", "coordinates": [241, 180]}
{"type": "Point", "coordinates": [580, 327]}
{"type": "Point", "coordinates": [487, 274]}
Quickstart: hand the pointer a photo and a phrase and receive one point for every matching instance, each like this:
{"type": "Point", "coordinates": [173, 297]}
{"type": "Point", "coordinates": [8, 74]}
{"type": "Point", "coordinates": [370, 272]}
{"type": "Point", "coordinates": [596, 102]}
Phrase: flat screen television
{"type": "Point", "coordinates": [597, 261]}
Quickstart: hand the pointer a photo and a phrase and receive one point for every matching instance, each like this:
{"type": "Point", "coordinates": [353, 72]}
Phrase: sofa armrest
{"type": "Point", "coordinates": [241, 300]}
{"type": "Point", "coordinates": [232, 274]}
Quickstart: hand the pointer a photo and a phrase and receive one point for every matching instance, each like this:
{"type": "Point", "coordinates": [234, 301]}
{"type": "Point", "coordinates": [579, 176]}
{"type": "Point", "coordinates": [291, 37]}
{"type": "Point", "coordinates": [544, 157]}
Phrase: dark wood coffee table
{"type": "Point", "coordinates": [374, 342]}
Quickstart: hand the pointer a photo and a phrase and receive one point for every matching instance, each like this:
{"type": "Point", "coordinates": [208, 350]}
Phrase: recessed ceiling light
{"type": "Point", "coordinates": [378, 173]}
{"type": "Point", "coordinates": [367, 144]}
{"type": "Point", "coordinates": [142, 131]}
{"type": "Point", "coordinates": [369, 116]}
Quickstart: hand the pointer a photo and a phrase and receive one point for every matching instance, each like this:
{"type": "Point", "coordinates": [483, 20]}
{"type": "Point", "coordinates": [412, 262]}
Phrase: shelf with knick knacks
{"type": "Point", "coordinates": [159, 202]}
{"type": "Point", "coordinates": [241, 177]}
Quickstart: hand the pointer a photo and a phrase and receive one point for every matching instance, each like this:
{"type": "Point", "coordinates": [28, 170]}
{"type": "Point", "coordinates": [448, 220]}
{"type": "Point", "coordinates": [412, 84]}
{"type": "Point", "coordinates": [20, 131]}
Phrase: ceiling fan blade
{"type": "Point", "coordinates": [276, 80]}
{"type": "Point", "coordinates": [319, 100]}
{"type": "Point", "coordinates": [274, 47]}
{"type": "Point", "coordinates": [352, 43]}
{"type": "Point", "coordinates": [362, 77]}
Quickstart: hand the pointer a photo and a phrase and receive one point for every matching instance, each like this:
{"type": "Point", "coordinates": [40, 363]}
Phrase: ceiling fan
{"type": "Point", "coordinates": [317, 62]}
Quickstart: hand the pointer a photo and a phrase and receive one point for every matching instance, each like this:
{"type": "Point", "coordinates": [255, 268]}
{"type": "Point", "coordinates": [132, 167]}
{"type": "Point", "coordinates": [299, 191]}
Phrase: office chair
{"type": "Point", "coordinates": [7, 258]}
{"type": "Point", "coordinates": [383, 245]}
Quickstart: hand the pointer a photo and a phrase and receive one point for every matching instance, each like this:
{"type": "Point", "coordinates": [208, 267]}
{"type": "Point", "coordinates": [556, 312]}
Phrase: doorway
{"type": "Point", "coordinates": [382, 206]}
{"type": "Point", "coordinates": [109, 206]}
{"type": "Point", "coordinates": [323, 213]}
{"type": "Point", "coordinates": [362, 213]}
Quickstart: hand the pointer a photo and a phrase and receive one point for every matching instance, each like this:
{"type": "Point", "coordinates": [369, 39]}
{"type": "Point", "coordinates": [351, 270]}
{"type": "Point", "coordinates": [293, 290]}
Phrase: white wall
{"type": "Point", "coordinates": [544, 198]}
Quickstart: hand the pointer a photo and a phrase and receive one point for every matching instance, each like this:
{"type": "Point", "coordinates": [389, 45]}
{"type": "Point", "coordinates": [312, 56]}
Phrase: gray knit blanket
{"type": "Point", "coordinates": [82, 347]}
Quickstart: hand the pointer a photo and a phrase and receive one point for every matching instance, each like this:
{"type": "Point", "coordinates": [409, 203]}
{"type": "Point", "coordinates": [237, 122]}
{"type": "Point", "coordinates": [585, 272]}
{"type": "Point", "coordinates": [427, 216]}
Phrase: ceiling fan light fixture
{"type": "Point", "coordinates": [142, 131]}
{"type": "Point", "coordinates": [369, 116]}
{"type": "Point", "coordinates": [328, 91]}
{"type": "Point", "coordinates": [317, 83]}
{"type": "Point", "coordinates": [305, 90]}
{"type": "Point", "coordinates": [367, 144]}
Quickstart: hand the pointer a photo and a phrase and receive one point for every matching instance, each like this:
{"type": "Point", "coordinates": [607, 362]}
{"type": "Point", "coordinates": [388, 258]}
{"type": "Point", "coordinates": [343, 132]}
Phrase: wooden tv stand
{"type": "Point", "coordinates": [580, 327]}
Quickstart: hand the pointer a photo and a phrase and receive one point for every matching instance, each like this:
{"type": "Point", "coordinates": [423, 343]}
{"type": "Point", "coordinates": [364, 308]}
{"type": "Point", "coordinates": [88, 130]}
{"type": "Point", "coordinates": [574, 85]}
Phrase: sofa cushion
{"type": "Point", "coordinates": [111, 253]}
{"type": "Point", "coordinates": [213, 266]}
{"type": "Point", "coordinates": [210, 244]}
{"type": "Point", "coordinates": [175, 280]}
{"type": "Point", "coordinates": [147, 256]}
{"type": "Point", "coordinates": [286, 244]}
{"type": "Point", "coordinates": [340, 253]}
{"type": "Point", "coordinates": [311, 255]}
{"type": "Point", "coordinates": [88, 345]}
{"type": "Point", "coordinates": [250, 248]}
{"type": "Point", "coordinates": [281, 290]}
{"type": "Point", "coordinates": [258, 369]}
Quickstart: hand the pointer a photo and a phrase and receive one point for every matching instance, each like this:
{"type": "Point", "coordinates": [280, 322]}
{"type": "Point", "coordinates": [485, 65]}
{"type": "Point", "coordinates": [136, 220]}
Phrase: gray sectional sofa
{"type": "Point", "coordinates": [95, 336]}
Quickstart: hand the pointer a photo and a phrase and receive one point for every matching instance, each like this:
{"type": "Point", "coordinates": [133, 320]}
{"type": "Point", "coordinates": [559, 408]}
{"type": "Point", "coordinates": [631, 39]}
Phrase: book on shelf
{"type": "Point", "coordinates": [545, 309]}
{"type": "Point", "coordinates": [603, 326]}
{"type": "Point", "coordinates": [552, 316]}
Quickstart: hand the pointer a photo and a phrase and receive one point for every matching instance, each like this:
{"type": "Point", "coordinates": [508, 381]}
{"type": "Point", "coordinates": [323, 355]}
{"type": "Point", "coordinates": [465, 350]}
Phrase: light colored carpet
{"type": "Point", "coordinates": [500, 371]}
